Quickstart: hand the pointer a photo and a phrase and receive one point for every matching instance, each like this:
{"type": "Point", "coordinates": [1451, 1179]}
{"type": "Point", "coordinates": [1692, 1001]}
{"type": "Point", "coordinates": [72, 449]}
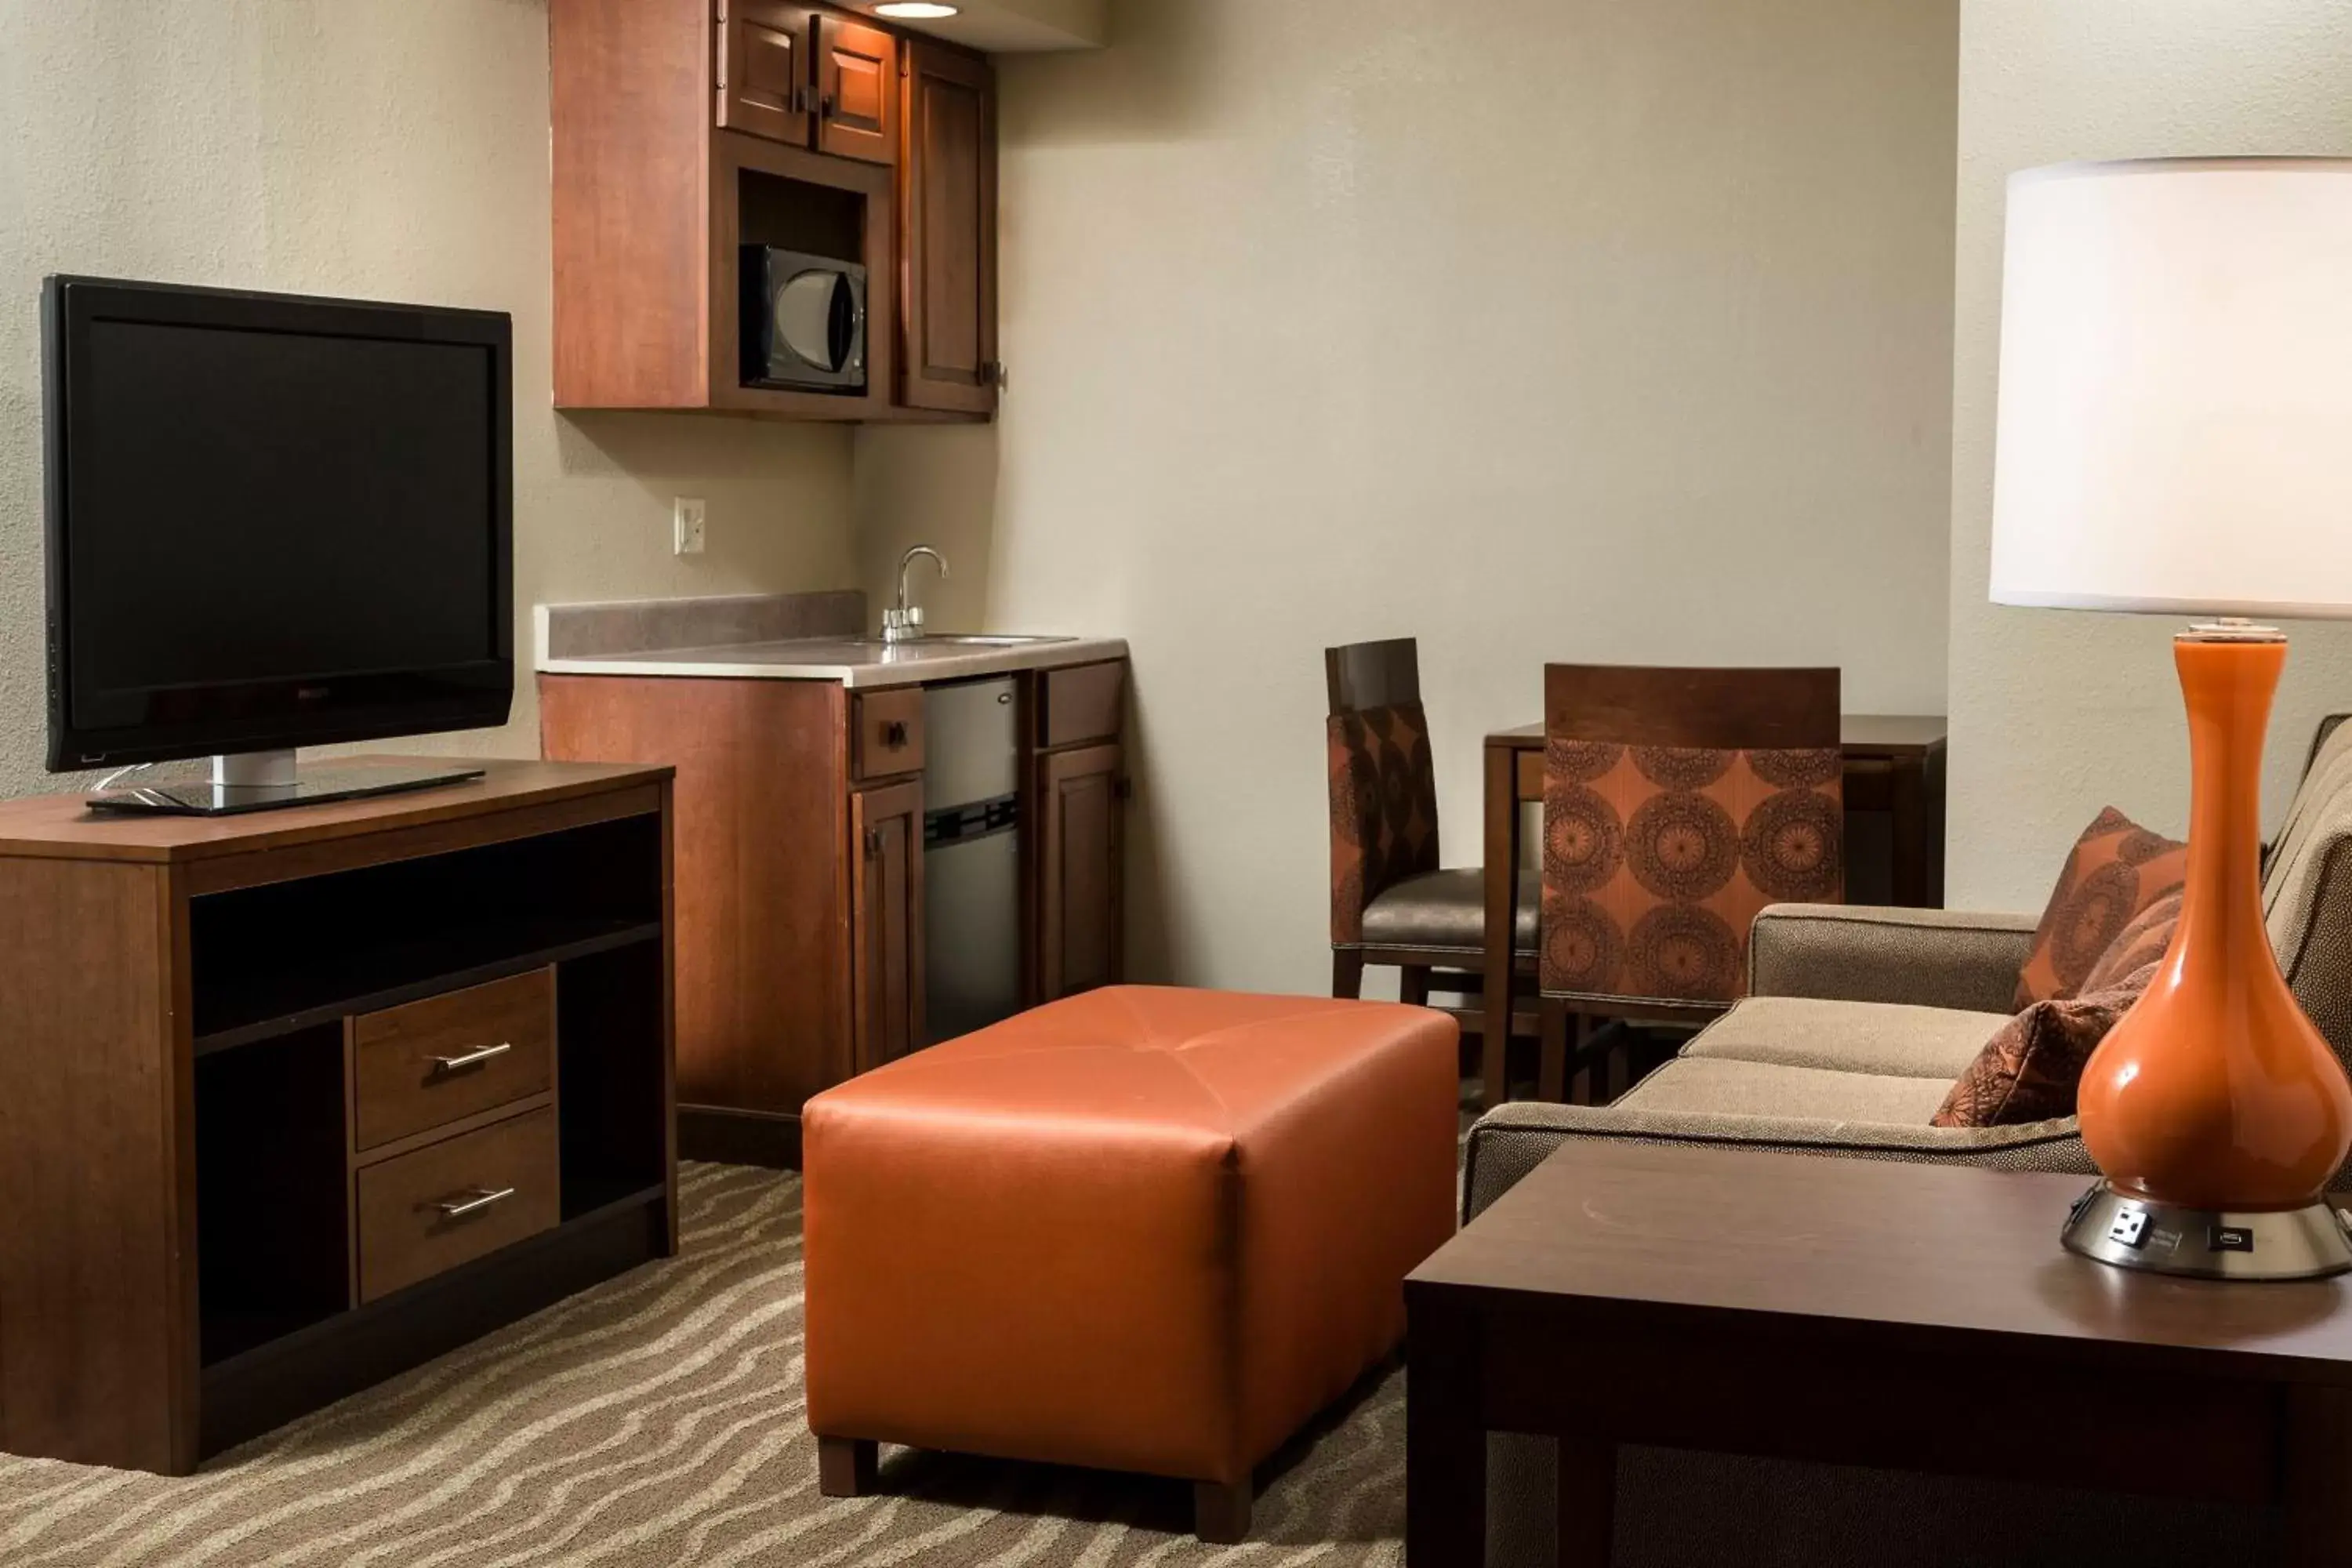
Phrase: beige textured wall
{"type": "Point", "coordinates": [2056, 713]}
{"type": "Point", "coordinates": [390, 149]}
{"type": "Point", "coordinates": [1538, 329]}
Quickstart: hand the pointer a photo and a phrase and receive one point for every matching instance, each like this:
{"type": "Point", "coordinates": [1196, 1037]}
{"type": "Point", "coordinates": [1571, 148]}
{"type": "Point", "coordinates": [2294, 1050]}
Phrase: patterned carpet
{"type": "Point", "coordinates": [655, 1422]}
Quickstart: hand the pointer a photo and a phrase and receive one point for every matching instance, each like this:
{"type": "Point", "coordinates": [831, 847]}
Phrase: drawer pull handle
{"type": "Point", "coordinates": [471, 1058]}
{"type": "Point", "coordinates": [480, 1199]}
{"type": "Point", "coordinates": [894, 733]}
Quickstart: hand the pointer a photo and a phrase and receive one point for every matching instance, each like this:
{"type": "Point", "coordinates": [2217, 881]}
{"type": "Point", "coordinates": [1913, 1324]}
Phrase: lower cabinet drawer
{"type": "Point", "coordinates": [450, 1203]}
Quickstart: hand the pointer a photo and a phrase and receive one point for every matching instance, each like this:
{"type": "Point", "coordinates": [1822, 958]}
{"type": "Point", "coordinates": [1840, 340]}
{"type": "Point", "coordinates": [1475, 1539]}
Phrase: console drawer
{"type": "Point", "coordinates": [886, 733]}
{"type": "Point", "coordinates": [430, 1063]}
{"type": "Point", "coordinates": [451, 1202]}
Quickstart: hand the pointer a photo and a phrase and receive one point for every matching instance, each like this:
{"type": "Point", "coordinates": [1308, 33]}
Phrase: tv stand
{"type": "Point", "coordinates": [290, 1103]}
{"type": "Point", "coordinates": [269, 781]}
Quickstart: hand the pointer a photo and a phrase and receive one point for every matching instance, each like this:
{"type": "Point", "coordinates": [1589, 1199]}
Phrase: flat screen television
{"type": "Point", "coordinates": [272, 521]}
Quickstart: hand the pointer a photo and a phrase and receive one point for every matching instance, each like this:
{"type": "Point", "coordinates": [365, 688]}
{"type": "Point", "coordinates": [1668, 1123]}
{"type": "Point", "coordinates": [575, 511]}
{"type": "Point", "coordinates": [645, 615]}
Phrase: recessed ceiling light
{"type": "Point", "coordinates": [914, 10]}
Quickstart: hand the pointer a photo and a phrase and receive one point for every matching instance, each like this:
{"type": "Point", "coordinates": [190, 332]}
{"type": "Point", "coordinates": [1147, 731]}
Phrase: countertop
{"type": "Point", "coordinates": [856, 663]}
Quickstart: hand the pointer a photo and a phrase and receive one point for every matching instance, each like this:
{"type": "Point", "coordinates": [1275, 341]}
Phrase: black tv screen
{"type": "Point", "coordinates": [272, 521]}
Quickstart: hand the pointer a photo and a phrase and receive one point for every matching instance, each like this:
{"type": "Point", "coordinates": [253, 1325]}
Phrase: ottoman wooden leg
{"type": "Point", "coordinates": [845, 1466]}
{"type": "Point", "coordinates": [1221, 1512]}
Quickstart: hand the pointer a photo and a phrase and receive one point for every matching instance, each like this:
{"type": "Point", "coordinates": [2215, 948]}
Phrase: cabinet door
{"type": "Point", "coordinates": [947, 199]}
{"type": "Point", "coordinates": [857, 90]}
{"type": "Point", "coordinates": [1080, 880]}
{"type": "Point", "coordinates": [764, 77]}
{"type": "Point", "coordinates": [887, 923]}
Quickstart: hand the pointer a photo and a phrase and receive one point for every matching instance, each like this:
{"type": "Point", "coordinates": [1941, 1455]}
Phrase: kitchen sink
{"type": "Point", "coordinates": [952, 639]}
{"type": "Point", "coordinates": [982, 639]}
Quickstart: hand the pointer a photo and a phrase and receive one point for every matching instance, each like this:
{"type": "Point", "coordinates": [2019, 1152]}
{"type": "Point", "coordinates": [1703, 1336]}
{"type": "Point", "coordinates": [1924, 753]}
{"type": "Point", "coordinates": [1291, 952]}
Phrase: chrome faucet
{"type": "Point", "coordinates": [904, 622]}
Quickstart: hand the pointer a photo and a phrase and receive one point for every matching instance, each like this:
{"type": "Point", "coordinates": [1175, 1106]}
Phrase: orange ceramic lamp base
{"type": "Point", "coordinates": [2215, 1102]}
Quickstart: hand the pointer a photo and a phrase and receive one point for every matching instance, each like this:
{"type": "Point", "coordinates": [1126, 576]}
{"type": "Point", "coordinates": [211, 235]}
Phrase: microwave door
{"type": "Point", "coordinates": [809, 309]}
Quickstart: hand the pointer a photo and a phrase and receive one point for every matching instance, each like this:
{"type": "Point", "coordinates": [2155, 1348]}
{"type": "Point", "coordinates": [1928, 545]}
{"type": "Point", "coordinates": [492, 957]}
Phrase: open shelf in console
{"type": "Point", "coordinates": [612, 1014]}
{"type": "Point", "coordinates": [273, 1255]}
{"type": "Point", "coordinates": [287, 956]}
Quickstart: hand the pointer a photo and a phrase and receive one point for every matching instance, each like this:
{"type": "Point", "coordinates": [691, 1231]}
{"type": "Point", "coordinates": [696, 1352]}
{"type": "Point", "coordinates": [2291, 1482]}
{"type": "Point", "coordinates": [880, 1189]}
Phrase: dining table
{"type": "Point", "coordinates": [1894, 763]}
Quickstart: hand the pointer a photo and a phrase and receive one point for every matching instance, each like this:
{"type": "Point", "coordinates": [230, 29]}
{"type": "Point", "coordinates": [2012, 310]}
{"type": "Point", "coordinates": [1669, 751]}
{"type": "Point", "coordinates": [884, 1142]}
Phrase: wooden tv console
{"type": "Point", "coordinates": [292, 1102]}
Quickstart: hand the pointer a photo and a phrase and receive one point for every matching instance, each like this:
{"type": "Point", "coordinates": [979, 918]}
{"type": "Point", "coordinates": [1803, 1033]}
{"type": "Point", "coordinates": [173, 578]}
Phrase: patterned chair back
{"type": "Point", "coordinates": [1677, 803]}
{"type": "Point", "coordinates": [1383, 782]}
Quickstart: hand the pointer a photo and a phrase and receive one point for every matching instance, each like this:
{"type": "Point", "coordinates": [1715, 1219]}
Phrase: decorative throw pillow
{"type": "Point", "coordinates": [2030, 1070]}
{"type": "Point", "coordinates": [2116, 869]}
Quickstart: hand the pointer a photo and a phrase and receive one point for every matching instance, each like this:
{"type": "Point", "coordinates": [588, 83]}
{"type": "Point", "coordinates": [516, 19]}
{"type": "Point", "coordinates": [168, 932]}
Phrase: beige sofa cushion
{"type": "Point", "coordinates": [1883, 1037]}
{"type": "Point", "coordinates": [1703, 1085]}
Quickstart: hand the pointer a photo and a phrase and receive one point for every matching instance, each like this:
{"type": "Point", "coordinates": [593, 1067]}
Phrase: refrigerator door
{"type": "Point", "coordinates": [972, 926]}
{"type": "Point", "coordinates": [971, 856]}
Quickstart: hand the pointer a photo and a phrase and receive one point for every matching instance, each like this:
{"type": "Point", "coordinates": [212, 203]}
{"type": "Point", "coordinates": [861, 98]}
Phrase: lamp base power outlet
{"type": "Point", "coordinates": [2115, 1227]}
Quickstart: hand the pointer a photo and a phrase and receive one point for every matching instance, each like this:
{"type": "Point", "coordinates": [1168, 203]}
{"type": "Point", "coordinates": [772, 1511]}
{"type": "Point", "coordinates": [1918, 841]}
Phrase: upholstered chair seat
{"type": "Point", "coordinates": [1444, 910]}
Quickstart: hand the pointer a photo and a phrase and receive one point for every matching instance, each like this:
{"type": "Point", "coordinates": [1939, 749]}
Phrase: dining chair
{"type": "Point", "coordinates": [1677, 803]}
{"type": "Point", "coordinates": [1393, 901]}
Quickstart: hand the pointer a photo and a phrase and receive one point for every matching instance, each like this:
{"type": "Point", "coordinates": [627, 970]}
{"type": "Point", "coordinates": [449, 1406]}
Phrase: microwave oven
{"type": "Point", "coordinates": [803, 321]}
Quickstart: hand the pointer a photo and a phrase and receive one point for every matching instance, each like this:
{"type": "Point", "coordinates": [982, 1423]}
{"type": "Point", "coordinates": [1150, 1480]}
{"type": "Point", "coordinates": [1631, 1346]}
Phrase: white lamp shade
{"type": "Point", "coordinates": [2176, 388]}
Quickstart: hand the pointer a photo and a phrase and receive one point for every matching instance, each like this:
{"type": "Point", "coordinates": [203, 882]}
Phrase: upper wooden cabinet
{"type": "Point", "coordinates": [947, 225]}
{"type": "Point", "coordinates": [808, 78]}
{"type": "Point", "coordinates": [685, 130]}
{"type": "Point", "coordinates": [764, 69]}
{"type": "Point", "coordinates": [856, 90]}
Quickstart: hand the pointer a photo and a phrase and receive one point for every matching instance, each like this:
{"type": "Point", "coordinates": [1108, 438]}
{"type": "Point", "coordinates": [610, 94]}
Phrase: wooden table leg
{"type": "Point", "coordinates": [2317, 1476]}
{"type": "Point", "coordinates": [1588, 1500]}
{"type": "Point", "coordinates": [1908, 811]}
{"type": "Point", "coordinates": [1502, 815]}
{"type": "Point", "coordinates": [1445, 1440]}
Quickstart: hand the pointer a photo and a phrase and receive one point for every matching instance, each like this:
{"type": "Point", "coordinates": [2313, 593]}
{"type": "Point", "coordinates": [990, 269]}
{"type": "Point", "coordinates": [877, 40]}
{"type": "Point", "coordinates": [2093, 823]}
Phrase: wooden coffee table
{"type": "Point", "coordinates": [1860, 1313]}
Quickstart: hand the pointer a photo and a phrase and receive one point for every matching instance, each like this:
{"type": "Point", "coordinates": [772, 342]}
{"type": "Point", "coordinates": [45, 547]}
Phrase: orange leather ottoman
{"type": "Point", "coordinates": [1139, 1229]}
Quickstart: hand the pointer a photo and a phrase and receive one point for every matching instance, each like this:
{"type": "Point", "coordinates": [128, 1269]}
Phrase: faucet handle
{"type": "Point", "coordinates": [914, 616]}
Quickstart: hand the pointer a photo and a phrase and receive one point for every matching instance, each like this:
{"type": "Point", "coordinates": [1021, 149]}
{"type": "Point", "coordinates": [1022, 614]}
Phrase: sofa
{"type": "Point", "coordinates": [1857, 1023]}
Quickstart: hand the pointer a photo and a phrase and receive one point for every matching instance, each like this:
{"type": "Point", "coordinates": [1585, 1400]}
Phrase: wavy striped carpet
{"type": "Point", "coordinates": [655, 1422]}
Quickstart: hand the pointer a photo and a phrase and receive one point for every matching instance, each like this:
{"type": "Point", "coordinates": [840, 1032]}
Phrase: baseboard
{"type": "Point", "coordinates": [731, 1137]}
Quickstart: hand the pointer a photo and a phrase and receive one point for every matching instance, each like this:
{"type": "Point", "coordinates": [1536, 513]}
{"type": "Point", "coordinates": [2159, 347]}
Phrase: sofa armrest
{"type": "Point", "coordinates": [1929, 958]}
{"type": "Point", "coordinates": [1509, 1142]}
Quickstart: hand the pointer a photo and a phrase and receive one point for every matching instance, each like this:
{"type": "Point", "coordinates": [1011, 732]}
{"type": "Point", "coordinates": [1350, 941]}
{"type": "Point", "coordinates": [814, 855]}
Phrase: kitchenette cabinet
{"type": "Point", "coordinates": [684, 131]}
{"type": "Point", "coordinates": [863, 869]}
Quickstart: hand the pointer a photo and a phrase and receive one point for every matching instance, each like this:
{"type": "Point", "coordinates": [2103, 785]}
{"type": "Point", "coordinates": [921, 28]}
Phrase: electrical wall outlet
{"type": "Point", "coordinates": [686, 526]}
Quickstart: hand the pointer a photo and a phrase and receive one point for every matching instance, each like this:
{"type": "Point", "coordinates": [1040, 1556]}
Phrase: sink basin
{"type": "Point", "coordinates": [980, 639]}
{"type": "Point", "coordinates": [951, 639]}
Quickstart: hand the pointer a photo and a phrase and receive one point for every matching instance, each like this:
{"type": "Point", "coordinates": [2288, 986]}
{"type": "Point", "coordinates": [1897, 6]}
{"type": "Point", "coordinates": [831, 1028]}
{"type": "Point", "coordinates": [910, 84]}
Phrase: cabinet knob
{"type": "Point", "coordinates": [894, 733]}
{"type": "Point", "coordinates": [992, 373]}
